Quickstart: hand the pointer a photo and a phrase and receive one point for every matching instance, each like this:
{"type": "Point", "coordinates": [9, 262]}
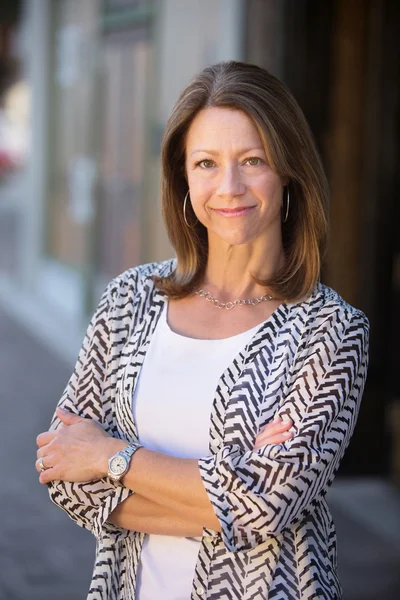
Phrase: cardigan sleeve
{"type": "Point", "coordinates": [258, 494]}
{"type": "Point", "coordinates": [89, 394]}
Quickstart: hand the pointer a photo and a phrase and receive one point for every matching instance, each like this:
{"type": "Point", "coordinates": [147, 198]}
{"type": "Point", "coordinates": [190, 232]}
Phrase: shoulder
{"type": "Point", "coordinates": [325, 317]}
{"type": "Point", "coordinates": [139, 280]}
{"type": "Point", "coordinates": [325, 306]}
{"type": "Point", "coordinates": [334, 308]}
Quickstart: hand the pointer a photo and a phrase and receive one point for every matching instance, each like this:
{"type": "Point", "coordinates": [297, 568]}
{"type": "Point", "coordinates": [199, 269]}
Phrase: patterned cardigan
{"type": "Point", "coordinates": [307, 361]}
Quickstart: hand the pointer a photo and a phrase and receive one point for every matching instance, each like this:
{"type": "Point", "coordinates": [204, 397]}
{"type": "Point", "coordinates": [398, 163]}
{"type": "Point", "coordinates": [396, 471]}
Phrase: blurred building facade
{"type": "Point", "coordinates": [103, 76]}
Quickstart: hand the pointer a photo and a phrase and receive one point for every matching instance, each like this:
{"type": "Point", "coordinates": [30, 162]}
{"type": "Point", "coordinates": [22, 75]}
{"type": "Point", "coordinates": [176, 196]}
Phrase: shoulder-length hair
{"type": "Point", "coordinates": [291, 153]}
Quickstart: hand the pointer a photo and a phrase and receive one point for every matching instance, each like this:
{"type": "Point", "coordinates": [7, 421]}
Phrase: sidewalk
{"type": "Point", "coordinates": [45, 556]}
{"type": "Point", "coordinates": [367, 518]}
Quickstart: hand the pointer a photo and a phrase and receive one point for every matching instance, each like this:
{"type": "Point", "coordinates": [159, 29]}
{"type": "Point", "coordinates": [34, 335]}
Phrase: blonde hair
{"type": "Point", "coordinates": [292, 154]}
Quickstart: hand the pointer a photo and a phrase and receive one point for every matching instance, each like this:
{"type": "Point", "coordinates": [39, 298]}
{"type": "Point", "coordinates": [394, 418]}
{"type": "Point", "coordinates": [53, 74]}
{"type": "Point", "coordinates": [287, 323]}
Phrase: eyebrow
{"type": "Point", "coordinates": [216, 153]}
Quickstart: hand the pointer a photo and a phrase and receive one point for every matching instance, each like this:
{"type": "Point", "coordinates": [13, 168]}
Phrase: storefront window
{"type": "Point", "coordinates": [126, 56]}
{"type": "Point", "coordinates": [72, 186]}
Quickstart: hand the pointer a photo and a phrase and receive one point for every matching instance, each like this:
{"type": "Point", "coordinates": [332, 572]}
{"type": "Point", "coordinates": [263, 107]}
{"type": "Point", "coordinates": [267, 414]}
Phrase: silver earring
{"type": "Point", "coordinates": [184, 211]}
{"type": "Point", "coordinates": [287, 204]}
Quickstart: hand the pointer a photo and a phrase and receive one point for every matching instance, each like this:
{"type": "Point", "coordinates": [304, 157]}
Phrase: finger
{"type": "Point", "coordinates": [67, 417]}
{"type": "Point", "coordinates": [47, 463]}
{"type": "Point", "coordinates": [45, 438]}
{"type": "Point", "coordinates": [47, 476]}
{"type": "Point", "coordinates": [265, 435]}
{"type": "Point", "coordinates": [274, 428]}
{"type": "Point", "coordinates": [43, 451]}
{"type": "Point", "coordinates": [277, 419]}
{"type": "Point", "coordinates": [275, 439]}
{"type": "Point", "coordinates": [278, 422]}
{"type": "Point", "coordinates": [266, 439]}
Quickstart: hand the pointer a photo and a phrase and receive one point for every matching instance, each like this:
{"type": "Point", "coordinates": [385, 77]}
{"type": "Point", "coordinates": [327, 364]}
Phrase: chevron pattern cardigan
{"type": "Point", "coordinates": [307, 361]}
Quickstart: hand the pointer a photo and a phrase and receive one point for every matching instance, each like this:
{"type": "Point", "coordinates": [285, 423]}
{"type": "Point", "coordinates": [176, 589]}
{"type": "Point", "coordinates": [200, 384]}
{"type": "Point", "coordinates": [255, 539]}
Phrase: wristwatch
{"type": "Point", "coordinates": [119, 463]}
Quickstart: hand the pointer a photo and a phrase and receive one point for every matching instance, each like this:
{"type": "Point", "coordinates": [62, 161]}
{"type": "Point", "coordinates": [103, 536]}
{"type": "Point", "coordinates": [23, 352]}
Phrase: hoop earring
{"type": "Point", "coordinates": [287, 204]}
{"type": "Point", "coordinates": [184, 212]}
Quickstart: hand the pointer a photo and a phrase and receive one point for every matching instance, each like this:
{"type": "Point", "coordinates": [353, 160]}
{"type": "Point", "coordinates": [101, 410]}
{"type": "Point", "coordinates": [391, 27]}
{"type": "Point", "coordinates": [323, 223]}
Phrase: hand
{"type": "Point", "coordinates": [78, 451]}
{"type": "Point", "coordinates": [275, 432]}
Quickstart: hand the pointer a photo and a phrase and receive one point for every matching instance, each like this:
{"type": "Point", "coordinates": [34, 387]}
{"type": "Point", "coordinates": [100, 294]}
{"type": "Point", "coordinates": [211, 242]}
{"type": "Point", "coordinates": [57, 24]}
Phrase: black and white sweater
{"type": "Point", "coordinates": [308, 361]}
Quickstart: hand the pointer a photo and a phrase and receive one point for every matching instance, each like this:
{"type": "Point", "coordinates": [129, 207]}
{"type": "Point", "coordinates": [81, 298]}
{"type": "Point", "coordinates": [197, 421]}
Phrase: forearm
{"type": "Point", "coordinates": [174, 483]}
{"type": "Point", "coordinates": [79, 453]}
{"type": "Point", "coordinates": [140, 514]}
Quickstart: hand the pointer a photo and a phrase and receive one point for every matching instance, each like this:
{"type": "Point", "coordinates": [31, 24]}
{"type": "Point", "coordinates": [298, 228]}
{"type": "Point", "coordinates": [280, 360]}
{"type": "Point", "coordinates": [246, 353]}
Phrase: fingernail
{"type": "Point", "coordinates": [292, 430]}
{"type": "Point", "coordinates": [285, 418]}
{"type": "Point", "coordinates": [287, 434]}
{"type": "Point", "coordinates": [277, 419]}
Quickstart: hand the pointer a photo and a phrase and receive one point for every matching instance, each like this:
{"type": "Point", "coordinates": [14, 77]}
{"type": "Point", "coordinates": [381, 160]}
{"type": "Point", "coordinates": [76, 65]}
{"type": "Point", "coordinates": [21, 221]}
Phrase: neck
{"type": "Point", "coordinates": [230, 270]}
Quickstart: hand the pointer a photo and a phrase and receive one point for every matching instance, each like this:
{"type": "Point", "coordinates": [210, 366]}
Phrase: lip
{"type": "Point", "coordinates": [239, 211]}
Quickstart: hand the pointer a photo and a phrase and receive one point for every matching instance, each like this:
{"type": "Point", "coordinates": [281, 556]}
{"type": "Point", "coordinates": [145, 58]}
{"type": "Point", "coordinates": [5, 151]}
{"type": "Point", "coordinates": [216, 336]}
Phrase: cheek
{"type": "Point", "coordinates": [200, 192]}
{"type": "Point", "coordinates": [272, 191]}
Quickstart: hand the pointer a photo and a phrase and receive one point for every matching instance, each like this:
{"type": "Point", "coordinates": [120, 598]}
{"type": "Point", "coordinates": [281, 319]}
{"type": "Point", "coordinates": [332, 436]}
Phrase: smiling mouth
{"type": "Point", "coordinates": [233, 212]}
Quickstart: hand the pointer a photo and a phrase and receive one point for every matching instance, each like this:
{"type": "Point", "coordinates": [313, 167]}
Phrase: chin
{"type": "Point", "coordinates": [238, 238]}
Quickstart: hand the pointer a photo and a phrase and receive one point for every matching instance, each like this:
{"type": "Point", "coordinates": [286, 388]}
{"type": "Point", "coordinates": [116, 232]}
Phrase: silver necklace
{"type": "Point", "coordinates": [234, 303]}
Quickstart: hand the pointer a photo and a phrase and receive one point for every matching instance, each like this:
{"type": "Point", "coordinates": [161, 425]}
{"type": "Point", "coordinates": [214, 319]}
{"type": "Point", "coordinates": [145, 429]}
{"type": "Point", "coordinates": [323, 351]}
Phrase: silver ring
{"type": "Point", "coordinates": [41, 465]}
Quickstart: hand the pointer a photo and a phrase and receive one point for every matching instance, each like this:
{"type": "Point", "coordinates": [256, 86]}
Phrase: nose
{"type": "Point", "coordinates": [230, 183]}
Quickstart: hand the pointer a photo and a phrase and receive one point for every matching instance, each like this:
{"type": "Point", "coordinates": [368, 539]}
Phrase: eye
{"type": "Point", "coordinates": [254, 161]}
{"type": "Point", "coordinates": [206, 163]}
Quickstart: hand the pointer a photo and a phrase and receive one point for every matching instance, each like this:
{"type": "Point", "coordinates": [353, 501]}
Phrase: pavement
{"type": "Point", "coordinates": [45, 556]}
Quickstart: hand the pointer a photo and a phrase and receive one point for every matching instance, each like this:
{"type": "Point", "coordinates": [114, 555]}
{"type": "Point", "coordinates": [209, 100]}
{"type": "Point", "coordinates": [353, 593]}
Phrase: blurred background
{"type": "Point", "coordinates": [86, 87]}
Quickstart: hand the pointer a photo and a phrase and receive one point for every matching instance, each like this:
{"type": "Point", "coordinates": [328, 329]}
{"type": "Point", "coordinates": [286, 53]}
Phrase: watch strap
{"type": "Point", "coordinates": [130, 449]}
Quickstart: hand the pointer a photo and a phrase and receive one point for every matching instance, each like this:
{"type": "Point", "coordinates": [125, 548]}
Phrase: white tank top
{"type": "Point", "coordinates": [172, 407]}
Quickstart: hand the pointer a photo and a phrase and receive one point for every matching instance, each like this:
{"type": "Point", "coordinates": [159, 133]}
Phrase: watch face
{"type": "Point", "coordinates": [118, 465]}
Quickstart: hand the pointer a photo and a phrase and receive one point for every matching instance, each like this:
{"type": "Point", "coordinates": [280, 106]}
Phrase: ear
{"type": "Point", "coordinates": [67, 417]}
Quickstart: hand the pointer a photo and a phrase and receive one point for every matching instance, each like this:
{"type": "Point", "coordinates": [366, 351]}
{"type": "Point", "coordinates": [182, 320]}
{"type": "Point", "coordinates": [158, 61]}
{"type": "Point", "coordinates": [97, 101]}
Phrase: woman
{"type": "Point", "coordinates": [230, 378]}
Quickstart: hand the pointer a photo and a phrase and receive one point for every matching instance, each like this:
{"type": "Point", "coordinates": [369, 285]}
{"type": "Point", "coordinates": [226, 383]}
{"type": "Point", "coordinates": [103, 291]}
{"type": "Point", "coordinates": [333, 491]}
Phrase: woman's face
{"type": "Point", "coordinates": [234, 192]}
